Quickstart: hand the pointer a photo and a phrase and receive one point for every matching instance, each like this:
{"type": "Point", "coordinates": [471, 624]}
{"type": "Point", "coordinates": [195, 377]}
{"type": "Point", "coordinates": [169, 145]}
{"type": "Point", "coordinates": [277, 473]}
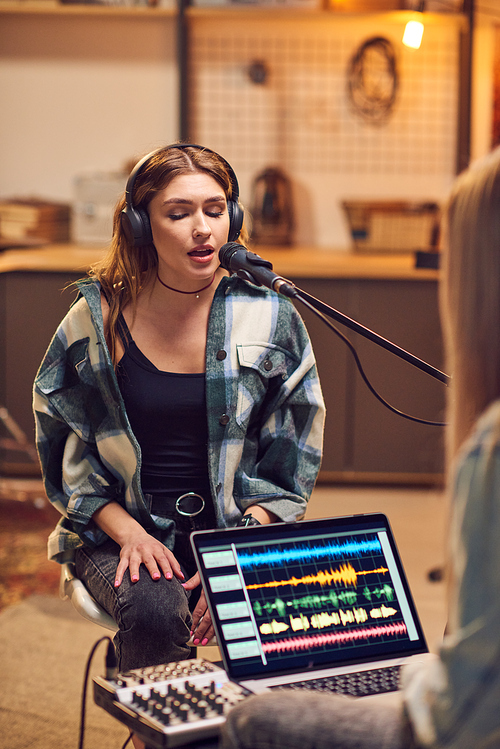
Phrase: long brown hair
{"type": "Point", "coordinates": [470, 299]}
{"type": "Point", "coordinates": [126, 270]}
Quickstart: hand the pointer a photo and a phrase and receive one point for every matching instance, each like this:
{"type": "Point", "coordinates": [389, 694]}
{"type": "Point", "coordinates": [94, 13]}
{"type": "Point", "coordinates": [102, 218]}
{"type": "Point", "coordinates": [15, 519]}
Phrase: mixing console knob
{"type": "Point", "coordinates": [175, 705]}
{"type": "Point", "coordinates": [140, 700]}
{"type": "Point", "coordinates": [165, 715]}
{"type": "Point", "coordinates": [160, 697]}
{"type": "Point", "coordinates": [201, 708]}
{"type": "Point", "coordinates": [158, 710]}
{"type": "Point", "coordinates": [218, 705]}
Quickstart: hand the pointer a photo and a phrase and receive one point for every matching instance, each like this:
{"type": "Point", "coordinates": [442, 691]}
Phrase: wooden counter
{"type": "Point", "coordinates": [303, 262]}
{"type": "Point", "coordinates": [364, 442]}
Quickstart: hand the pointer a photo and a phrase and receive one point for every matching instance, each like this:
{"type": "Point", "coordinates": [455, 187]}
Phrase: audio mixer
{"type": "Point", "coordinates": [172, 704]}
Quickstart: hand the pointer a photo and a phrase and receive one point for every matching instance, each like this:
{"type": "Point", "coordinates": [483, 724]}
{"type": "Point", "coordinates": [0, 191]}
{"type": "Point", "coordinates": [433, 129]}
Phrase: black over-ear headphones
{"type": "Point", "coordinates": [135, 219]}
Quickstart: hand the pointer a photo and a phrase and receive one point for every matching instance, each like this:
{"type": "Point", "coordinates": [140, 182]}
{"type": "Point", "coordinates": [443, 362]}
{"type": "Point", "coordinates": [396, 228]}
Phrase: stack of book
{"type": "Point", "coordinates": [33, 219]}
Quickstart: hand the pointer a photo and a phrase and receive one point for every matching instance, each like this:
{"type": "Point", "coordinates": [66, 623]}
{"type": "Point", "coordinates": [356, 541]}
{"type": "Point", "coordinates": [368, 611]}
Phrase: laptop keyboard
{"type": "Point", "coordinates": [359, 684]}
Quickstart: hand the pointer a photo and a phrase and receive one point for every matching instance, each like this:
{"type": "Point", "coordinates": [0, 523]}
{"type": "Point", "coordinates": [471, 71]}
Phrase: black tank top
{"type": "Point", "coordinates": [167, 413]}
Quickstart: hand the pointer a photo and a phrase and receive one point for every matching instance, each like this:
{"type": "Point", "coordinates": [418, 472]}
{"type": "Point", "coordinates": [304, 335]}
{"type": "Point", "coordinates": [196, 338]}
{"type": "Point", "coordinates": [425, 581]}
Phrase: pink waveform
{"type": "Point", "coordinates": [304, 643]}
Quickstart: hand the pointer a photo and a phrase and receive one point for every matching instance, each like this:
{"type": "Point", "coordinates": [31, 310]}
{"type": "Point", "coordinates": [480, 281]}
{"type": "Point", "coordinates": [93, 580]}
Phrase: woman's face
{"type": "Point", "coordinates": [190, 223]}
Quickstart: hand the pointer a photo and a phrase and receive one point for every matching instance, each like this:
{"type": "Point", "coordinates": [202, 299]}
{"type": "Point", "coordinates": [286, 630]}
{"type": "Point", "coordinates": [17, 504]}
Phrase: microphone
{"type": "Point", "coordinates": [237, 259]}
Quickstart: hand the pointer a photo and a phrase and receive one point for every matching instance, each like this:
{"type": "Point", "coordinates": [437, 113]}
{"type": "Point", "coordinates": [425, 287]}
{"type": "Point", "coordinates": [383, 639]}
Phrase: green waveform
{"type": "Point", "coordinates": [385, 590]}
{"type": "Point", "coordinates": [315, 601]}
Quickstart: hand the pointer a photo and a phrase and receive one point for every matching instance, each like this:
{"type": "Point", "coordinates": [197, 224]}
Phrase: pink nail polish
{"type": "Point", "coordinates": [204, 641]}
{"type": "Point", "coordinates": [135, 578]}
{"type": "Point", "coordinates": [197, 641]}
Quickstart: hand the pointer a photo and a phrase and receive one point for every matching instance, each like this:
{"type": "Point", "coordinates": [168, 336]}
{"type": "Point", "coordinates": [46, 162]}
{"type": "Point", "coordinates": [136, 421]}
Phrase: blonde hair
{"type": "Point", "coordinates": [470, 299]}
{"type": "Point", "coordinates": [126, 270]}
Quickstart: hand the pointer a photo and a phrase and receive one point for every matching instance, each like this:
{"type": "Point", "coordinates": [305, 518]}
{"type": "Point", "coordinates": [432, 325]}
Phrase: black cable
{"type": "Point", "coordinates": [110, 667]}
{"type": "Point", "coordinates": [362, 372]}
{"type": "Point", "coordinates": [127, 740]}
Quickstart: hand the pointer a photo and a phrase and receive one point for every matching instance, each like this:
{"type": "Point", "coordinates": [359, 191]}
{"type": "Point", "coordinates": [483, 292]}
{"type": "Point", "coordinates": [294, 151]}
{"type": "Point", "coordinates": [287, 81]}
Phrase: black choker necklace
{"type": "Point", "coordinates": [186, 292]}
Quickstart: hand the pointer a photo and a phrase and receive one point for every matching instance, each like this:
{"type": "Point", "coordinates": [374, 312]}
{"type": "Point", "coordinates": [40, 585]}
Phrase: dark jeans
{"type": "Point", "coordinates": [153, 616]}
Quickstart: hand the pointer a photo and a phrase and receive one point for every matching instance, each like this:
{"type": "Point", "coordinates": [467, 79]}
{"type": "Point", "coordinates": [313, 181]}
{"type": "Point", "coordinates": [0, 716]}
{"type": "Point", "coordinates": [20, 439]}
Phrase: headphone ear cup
{"type": "Point", "coordinates": [136, 226]}
{"type": "Point", "coordinates": [236, 215]}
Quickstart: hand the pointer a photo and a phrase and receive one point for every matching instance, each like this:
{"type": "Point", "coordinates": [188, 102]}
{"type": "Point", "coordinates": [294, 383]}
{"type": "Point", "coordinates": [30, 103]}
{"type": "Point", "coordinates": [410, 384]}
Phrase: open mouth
{"type": "Point", "coordinates": [203, 252]}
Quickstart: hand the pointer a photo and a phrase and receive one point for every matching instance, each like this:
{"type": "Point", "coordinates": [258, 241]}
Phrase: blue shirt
{"type": "Point", "coordinates": [453, 699]}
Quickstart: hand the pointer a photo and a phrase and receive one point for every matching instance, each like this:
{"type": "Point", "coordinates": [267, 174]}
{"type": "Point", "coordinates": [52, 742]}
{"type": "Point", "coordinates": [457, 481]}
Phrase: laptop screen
{"type": "Point", "coordinates": [302, 596]}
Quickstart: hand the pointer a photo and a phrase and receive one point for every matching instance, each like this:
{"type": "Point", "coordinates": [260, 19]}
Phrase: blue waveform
{"type": "Point", "coordinates": [275, 557]}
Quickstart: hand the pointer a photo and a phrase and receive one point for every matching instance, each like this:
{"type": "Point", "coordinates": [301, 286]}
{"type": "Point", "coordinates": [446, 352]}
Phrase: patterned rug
{"type": "Point", "coordinates": [26, 519]}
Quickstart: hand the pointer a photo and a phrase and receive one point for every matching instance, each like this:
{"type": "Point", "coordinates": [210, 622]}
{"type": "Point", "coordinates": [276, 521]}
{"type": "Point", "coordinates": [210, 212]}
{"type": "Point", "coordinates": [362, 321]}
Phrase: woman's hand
{"type": "Point", "coordinates": [141, 548]}
{"type": "Point", "coordinates": [203, 629]}
{"type": "Point", "coordinates": [137, 546]}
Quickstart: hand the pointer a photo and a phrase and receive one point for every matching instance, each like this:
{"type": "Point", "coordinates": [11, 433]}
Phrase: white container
{"type": "Point", "coordinates": [96, 195]}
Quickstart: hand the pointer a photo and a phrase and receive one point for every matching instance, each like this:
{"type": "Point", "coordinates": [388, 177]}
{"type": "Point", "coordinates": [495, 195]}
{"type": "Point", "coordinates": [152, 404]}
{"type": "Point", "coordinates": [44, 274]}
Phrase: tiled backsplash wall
{"type": "Point", "coordinates": [300, 117]}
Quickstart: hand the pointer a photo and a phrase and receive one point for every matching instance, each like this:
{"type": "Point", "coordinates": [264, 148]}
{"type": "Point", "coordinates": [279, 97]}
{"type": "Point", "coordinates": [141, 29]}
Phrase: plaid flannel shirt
{"type": "Point", "coordinates": [265, 415]}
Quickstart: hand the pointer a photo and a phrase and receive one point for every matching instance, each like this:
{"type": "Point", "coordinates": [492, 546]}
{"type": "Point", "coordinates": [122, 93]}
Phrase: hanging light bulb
{"type": "Point", "coordinates": [414, 30]}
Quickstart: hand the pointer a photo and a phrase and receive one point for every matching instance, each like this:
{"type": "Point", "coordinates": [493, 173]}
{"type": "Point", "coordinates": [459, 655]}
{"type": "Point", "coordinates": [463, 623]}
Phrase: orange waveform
{"type": "Point", "coordinates": [346, 574]}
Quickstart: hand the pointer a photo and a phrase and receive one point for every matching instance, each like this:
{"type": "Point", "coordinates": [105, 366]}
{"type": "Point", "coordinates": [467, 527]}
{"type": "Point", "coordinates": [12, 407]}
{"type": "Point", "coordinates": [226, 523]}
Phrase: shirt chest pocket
{"type": "Point", "coordinates": [263, 369]}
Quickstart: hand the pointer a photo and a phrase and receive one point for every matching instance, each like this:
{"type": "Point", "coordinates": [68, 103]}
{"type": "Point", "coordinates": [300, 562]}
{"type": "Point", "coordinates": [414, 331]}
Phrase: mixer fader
{"type": "Point", "coordinates": [171, 704]}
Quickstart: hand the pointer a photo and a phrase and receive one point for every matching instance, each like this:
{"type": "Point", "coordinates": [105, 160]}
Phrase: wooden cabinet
{"type": "Point", "coordinates": [32, 305]}
{"type": "Point", "coordinates": [364, 441]}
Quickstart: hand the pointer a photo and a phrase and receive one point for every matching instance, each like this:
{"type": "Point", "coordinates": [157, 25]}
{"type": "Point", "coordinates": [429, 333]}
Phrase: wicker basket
{"type": "Point", "coordinates": [392, 226]}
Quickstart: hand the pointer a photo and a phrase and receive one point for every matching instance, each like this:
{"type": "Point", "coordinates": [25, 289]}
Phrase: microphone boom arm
{"type": "Point", "coordinates": [366, 332]}
{"type": "Point", "coordinates": [235, 258]}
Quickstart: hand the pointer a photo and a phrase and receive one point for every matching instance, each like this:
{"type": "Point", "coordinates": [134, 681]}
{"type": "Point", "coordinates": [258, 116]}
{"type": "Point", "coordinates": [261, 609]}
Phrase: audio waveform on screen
{"type": "Point", "coordinates": [383, 612]}
{"type": "Point", "coordinates": [273, 628]}
{"type": "Point", "coordinates": [309, 642]}
{"type": "Point", "coordinates": [346, 574]}
{"type": "Point", "coordinates": [323, 620]}
{"type": "Point", "coordinates": [385, 590]}
{"type": "Point", "coordinates": [274, 557]}
{"type": "Point", "coordinates": [312, 601]}
{"type": "Point", "coordinates": [326, 619]}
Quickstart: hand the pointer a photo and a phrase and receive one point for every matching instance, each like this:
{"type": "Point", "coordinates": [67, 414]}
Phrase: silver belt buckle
{"type": "Point", "coordinates": [190, 500]}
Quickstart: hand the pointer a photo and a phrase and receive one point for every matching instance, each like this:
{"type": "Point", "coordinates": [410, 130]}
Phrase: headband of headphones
{"type": "Point", "coordinates": [135, 219]}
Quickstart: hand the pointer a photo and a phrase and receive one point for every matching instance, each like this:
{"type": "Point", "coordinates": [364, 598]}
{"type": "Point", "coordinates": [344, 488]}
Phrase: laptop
{"type": "Point", "coordinates": [317, 604]}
